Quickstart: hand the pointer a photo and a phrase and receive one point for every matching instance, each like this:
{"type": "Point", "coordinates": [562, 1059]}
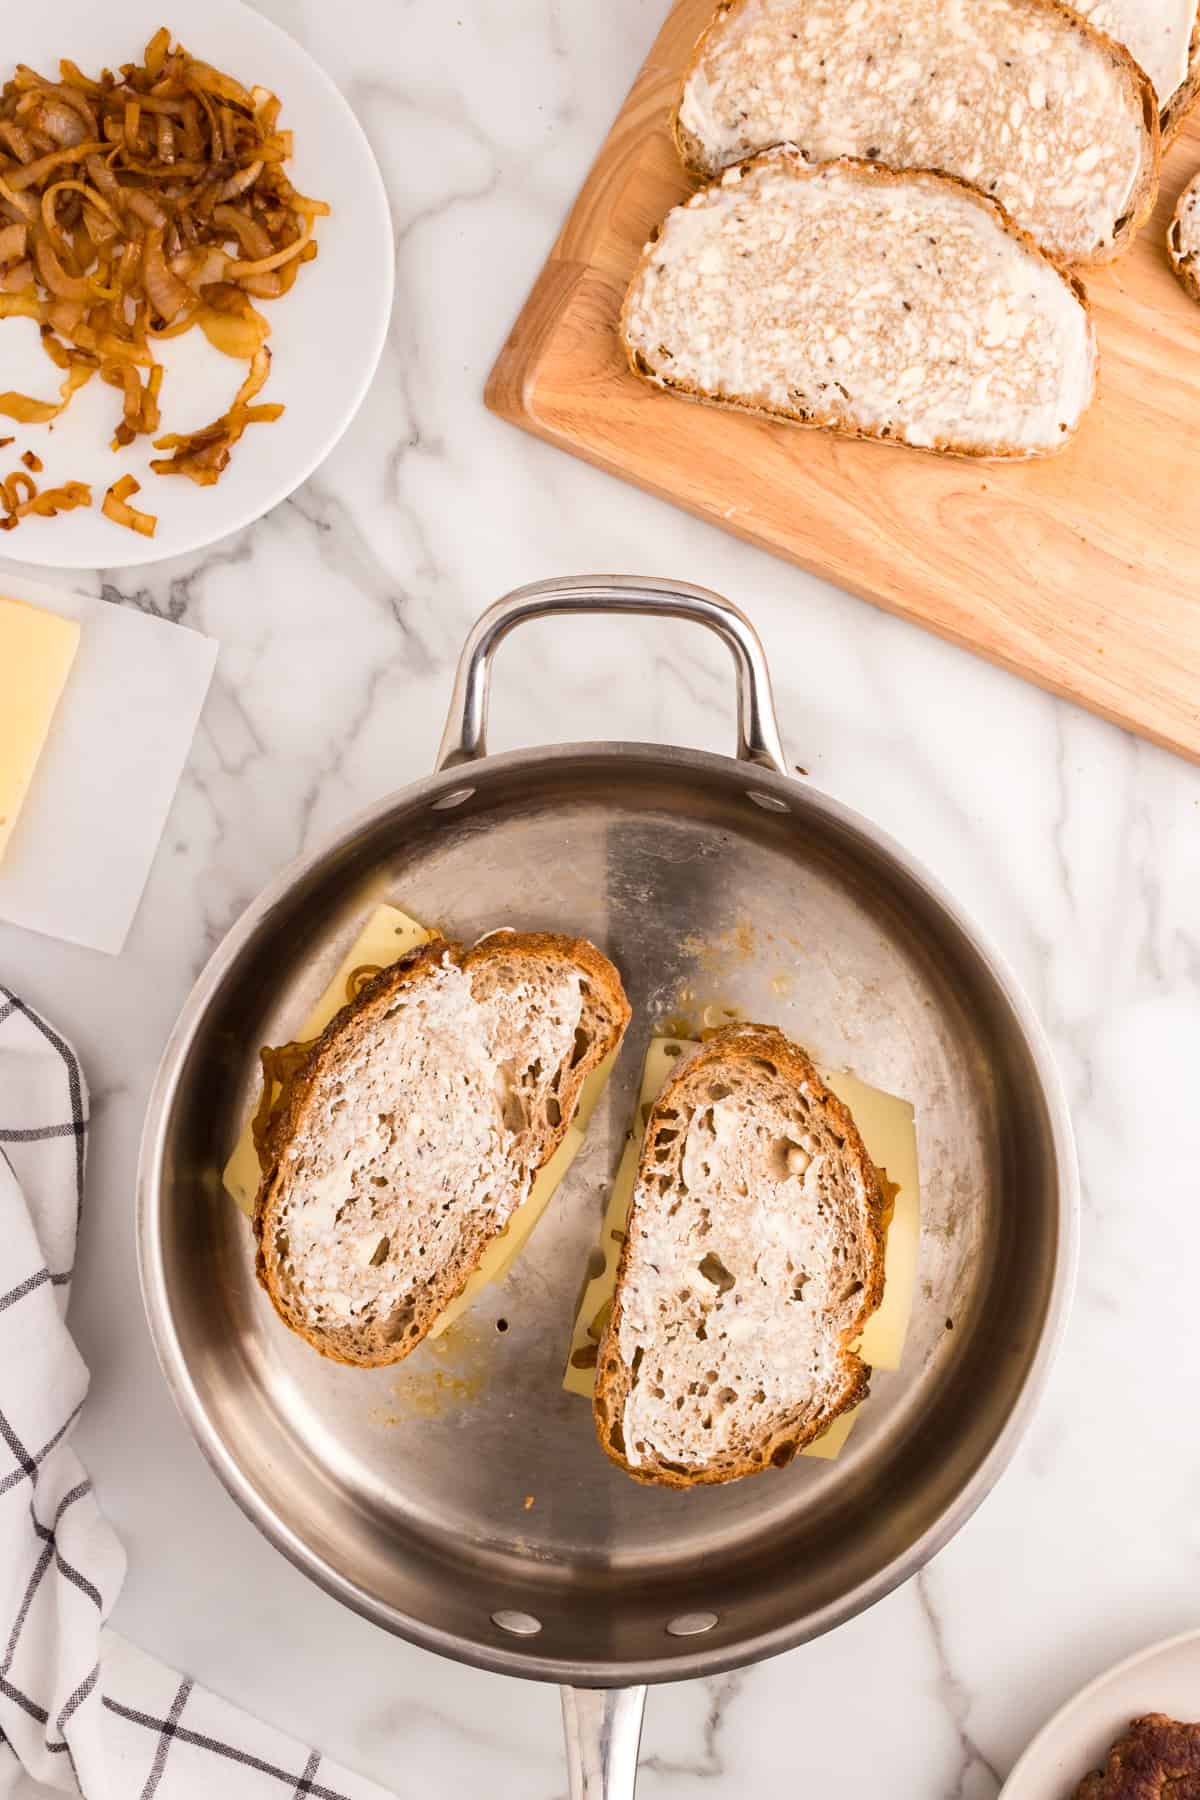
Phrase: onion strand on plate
{"type": "Point", "coordinates": [136, 206]}
{"type": "Point", "coordinates": [20, 496]}
{"type": "Point", "coordinates": [115, 506]}
{"type": "Point", "coordinates": [203, 455]}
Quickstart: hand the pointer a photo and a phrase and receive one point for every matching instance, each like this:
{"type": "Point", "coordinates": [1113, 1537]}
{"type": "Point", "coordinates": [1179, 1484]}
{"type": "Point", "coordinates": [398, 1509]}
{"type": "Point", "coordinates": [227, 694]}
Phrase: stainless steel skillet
{"type": "Point", "coordinates": [460, 1499]}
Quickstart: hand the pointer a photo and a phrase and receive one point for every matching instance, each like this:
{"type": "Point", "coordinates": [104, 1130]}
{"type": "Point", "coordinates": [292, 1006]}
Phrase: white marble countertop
{"type": "Point", "coordinates": [1076, 847]}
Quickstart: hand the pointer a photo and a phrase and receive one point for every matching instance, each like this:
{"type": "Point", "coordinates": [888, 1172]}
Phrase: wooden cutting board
{"type": "Point", "coordinates": [1081, 572]}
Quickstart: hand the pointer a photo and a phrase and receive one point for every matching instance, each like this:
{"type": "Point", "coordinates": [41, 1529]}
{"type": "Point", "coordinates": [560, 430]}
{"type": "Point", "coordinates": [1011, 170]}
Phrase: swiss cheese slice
{"type": "Point", "coordinates": [37, 649]}
{"type": "Point", "coordinates": [388, 935]}
{"type": "Point", "coordinates": [888, 1129]}
{"type": "Point", "coordinates": [503, 1251]}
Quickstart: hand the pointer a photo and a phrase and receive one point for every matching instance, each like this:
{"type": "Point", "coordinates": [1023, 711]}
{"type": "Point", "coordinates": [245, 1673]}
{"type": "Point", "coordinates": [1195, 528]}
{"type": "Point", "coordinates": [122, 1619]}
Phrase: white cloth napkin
{"type": "Point", "coordinates": [81, 1710]}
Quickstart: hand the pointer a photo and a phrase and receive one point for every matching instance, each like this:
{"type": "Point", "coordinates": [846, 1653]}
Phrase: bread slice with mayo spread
{"type": "Point", "coordinates": [1022, 98]}
{"type": "Point", "coordinates": [412, 1129]}
{"type": "Point", "coordinates": [902, 306]}
{"type": "Point", "coordinates": [753, 1257]}
{"type": "Point", "coordinates": [1164, 37]}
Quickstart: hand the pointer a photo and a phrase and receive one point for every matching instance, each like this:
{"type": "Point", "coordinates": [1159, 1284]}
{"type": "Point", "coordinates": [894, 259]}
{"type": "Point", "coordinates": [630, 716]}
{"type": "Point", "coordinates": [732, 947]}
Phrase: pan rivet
{"type": "Point", "coordinates": [691, 1624]}
{"type": "Point", "coordinates": [455, 798]}
{"type": "Point", "coordinates": [520, 1624]}
{"type": "Point", "coordinates": [768, 802]}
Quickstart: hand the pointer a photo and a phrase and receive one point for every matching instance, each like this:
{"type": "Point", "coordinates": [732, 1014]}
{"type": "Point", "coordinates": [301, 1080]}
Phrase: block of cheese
{"type": "Point", "coordinates": [37, 649]}
{"type": "Point", "coordinates": [888, 1129]}
{"type": "Point", "coordinates": [387, 936]}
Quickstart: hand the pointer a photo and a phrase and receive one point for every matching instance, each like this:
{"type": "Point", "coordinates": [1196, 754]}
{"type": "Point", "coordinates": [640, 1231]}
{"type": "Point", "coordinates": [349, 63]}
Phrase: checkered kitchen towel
{"type": "Point", "coordinates": [82, 1711]}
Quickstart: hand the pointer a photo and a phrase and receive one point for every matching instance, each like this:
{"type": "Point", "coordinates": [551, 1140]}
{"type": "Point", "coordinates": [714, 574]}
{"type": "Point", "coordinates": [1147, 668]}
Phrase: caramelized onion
{"type": "Point", "coordinates": [234, 334]}
{"type": "Point", "coordinates": [115, 507]}
{"type": "Point", "coordinates": [19, 497]}
{"type": "Point", "coordinates": [32, 172]}
{"type": "Point", "coordinates": [17, 140]}
{"type": "Point", "coordinates": [66, 92]}
{"type": "Point", "coordinates": [20, 306]}
{"type": "Point", "coordinates": [15, 485]}
{"type": "Point", "coordinates": [13, 239]}
{"type": "Point", "coordinates": [156, 52]}
{"type": "Point", "coordinates": [252, 236]}
{"type": "Point", "coordinates": [99, 206]}
{"type": "Point", "coordinates": [17, 206]}
{"type": "Point", "coordinates": [61, 499]}
{"type": "Point", "coordinates": [146, 209]}
{"type": "Point", "coordinates": [55, 277]}
{"type": "Point", "coordinates": [202, 455]}
{"type": "Point", "coordinates": [40, 412]}
{"type": "Point", "coordinates": [238, 184]}
{"type": "Point", "coordinates": [166, 293]}
{"type": "Point", "coordinates": [261, 266]}
{"type": "Point", "coordinates": [61, 124]}
{"type": "Point", "coordinates": [280, 1067]}
{"type": "Point", "coordinates": [133, 207]}
{"type": "Point", "coordinates": [224, 87]}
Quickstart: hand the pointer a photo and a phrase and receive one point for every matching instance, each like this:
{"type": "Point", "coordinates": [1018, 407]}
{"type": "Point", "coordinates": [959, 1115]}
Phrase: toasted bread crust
{"type": "Point", "coordinates": [1185, 262]}
{"type": "Point", "coordinates": [1141, 202]}
{"type": "Point", "coordinates": [358, 1017]}
{"type": "Point", "coordinates": [744, 1044]}
{"type": "Point", "coordinates": [1178, 107]}
{"type": "Point", "coordinates": [873, 172]}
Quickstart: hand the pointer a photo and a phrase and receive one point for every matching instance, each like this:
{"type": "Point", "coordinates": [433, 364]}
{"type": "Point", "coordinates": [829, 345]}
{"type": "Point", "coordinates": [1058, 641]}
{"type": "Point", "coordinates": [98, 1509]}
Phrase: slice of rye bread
{"type": "Point", "coordinates": [1183, 100]}
{"type": "Point", "coordinates": [1183, 237]}
{"type": "Point", "coordinates": [1164, 37]}
{"type": "Point", "coordinates": [898, 305]}
{"type": "Point", "coordinates": [1022, 98]}
{"type": "Point", "coordinates": [413, 1130]}
{"type": "Point", "coordinates": [753, 1257]}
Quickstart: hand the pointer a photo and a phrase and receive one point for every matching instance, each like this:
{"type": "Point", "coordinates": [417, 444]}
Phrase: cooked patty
{"type": "Point", "coordinates": [1157, 1759]}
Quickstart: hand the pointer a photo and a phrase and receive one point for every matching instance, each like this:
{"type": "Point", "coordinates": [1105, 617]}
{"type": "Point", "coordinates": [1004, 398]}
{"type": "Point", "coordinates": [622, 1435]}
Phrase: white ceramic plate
{"type": "Point", "coordinates": [326, 335]}
{"type": "Point", "coordinates": [1163, 1679]}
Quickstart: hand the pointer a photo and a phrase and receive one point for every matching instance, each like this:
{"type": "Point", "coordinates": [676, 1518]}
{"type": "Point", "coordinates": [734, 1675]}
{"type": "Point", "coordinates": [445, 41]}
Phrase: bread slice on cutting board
{"type": "Point", "coordinates": [1022, 98]}
{"type": "Point", "coordinates": [413, 1128]}
{"type": "Point", "coordinates": [753, 1257]}
{"type": "Point", "coordinates": [879, 304]}
{"type": "Point", "coordinates": [1164, 37]}
{"type": "Point", "coordinates": [1183, 101]}
{"type": "Point", "coordinates": [1183, 237]}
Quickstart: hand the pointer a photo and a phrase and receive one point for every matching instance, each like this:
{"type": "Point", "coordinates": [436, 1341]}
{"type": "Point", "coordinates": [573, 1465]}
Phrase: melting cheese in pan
{"type": "Point", "coordinates": [503, 1251]}
{"type": "Point", "coordinates": [388, 935]}
{"type": "Point", "coordinates": [888, 1130]}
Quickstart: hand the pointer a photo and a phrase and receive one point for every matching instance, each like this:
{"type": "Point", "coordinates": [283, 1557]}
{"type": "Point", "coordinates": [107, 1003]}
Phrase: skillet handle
{"type": "Point", "coordinates": [465, 737]}
{"type": "Point", "coordinates": [603, 1728]}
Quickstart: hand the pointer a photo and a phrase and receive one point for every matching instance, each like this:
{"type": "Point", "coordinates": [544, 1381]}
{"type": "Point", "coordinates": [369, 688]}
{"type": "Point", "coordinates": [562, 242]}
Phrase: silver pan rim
{"type": "Point", "coordinates": [525, 1661]}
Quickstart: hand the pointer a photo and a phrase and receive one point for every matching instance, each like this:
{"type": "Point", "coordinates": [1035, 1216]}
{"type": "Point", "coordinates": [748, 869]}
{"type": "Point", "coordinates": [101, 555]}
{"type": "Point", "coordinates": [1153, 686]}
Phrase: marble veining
{"type": "Point", "coordinates": [974, 1767]}
{"type": "Point", "coordinates": [1076, 847]}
